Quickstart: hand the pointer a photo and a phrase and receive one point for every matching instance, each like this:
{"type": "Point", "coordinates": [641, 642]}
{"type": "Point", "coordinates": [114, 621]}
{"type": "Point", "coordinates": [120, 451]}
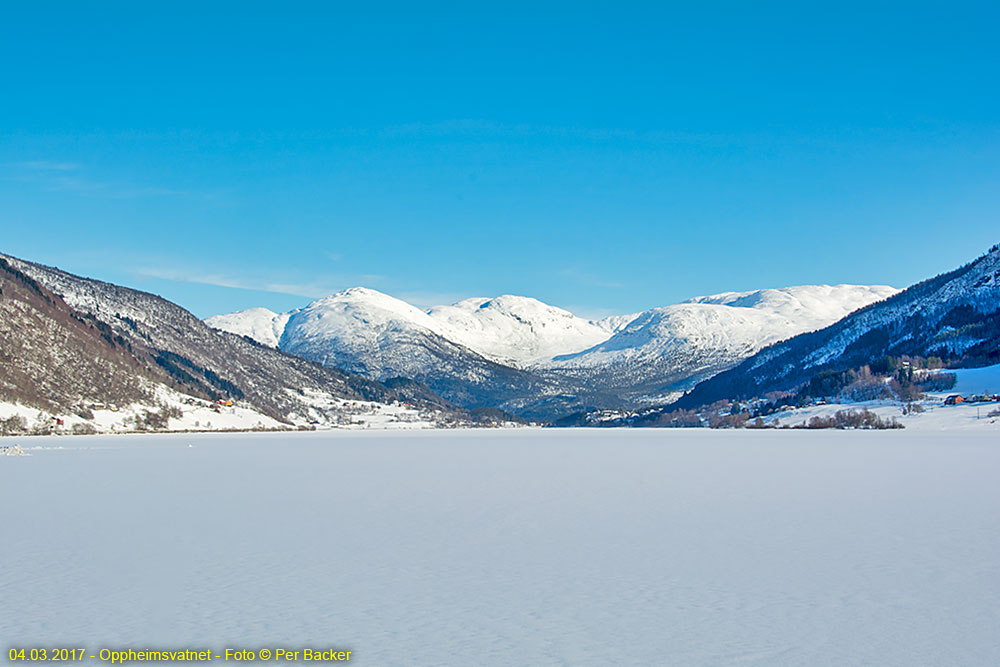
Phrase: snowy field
{"type": "Point", "coordinates": [977, 380]}
{"type": "Point", "coordinates": [527, 547]}
{"type": "Point", "coordinates": [936, 416]}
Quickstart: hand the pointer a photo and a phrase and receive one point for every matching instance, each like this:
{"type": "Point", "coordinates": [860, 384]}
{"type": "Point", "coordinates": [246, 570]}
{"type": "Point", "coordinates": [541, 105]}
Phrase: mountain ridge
{"type": "Point", "coordinates": [164, 343]}
{"type": "Point", "coordinates": [502, 350]}
{"type": "Point", "coordinates": [954, 315]}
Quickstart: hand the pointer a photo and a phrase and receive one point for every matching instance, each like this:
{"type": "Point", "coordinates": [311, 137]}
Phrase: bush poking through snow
{"type": "Point", "coordinates": [729, 421]}
{"type": "Point", "coordinates": [863, 419]}
{"type": "Point", "coordinates": [13, 425]}
{"type": "Point", "coordinates": [157, 421]}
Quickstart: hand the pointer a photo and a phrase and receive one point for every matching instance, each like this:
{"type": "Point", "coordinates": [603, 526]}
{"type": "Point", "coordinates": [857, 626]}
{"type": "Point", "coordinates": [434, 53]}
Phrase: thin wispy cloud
{"type": "Point", "coordinates": [110, 190]}
{"type": "Point", "coordinates": [312, 290]}
{"type": "Point", "coordinates": [49, 165]}
{"type": "Point", "coordinates": [72, 177]}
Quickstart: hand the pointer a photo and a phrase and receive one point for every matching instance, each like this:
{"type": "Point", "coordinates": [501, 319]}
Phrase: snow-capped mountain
{"type": "Point", "coordinates": [667, 349]}
{"type": "Point", "coordinates": [260, 324]}
{"type": "Point", "coordinates": [67, 341]}
{"type": "Point", "coordinates": [955, 316]}
{"type": "Point", "coordinates": [519, 353]}
{"type": "Point", "coordinates": [371, 332]}
{"type": "Point", "coordinates": [512, 330]}
{"type": "Point", "coordinates": [381, 337]}
{"type": "Point", "coordinates": [515, 330]}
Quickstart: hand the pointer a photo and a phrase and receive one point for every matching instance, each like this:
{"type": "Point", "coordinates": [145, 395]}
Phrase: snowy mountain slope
{"type": "Point", "coordinates": [515, 330]}
{"type": "Point", "coordinates": [955, 316]}
{"type": "Point", "coordinates": [525, 333]}
{"type": "Point", "coordinates": [52, 358]}
{"type": "Point", "coordinates": [511, 330]}
{"type": "Point", "coordinates": [804, 307]}
{"type": "Point", "coordinates": [259, 324]}
{"type": "Point", "coordinates": [381, 337]}
{"type": "Point", "coordinates": [371, 332]}
{"type": "Point", "coordinates": [523, 355]}
{"type": "Point", "coordinates": [165, 344]}
{"type": "Point", "coordinates": [614, 323]}
{"type": "Point", "coordinates": [666, 349]}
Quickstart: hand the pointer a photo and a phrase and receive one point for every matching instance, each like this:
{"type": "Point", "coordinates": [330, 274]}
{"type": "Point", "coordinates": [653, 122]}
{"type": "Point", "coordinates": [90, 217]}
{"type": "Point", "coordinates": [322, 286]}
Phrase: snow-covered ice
{"type": "Point", "coordinates": [527, 547]}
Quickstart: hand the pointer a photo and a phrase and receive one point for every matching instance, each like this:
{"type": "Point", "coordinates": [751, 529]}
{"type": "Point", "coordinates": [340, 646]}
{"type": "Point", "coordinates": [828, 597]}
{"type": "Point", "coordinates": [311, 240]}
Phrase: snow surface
{"type": "Point", "coordinates": [516, 330]}
{"type": "Point", "coordinates": [936, 416]}
{"type": "Point", "coordinates": [260, 324]}
{"type": "Point", "coordinates": [975, 285]}
{"type": "Point", "coordinates": [732, 324]}
{"type": "Point", "coordinates": [324, 411]}
{"type": "Point", "coordinates": [976, 381]}
{"type": "Point", "coordinates": [356, 318]}
{"type": "Point", "coordinates": [626, 547]}
{"type": "Point", "coordinates": [196, 414]}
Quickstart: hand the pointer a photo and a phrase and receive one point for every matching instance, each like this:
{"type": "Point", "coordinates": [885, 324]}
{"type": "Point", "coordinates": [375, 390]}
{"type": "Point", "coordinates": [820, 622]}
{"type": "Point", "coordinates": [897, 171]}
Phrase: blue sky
{"type": "Point", "coordinates": [605, 157]}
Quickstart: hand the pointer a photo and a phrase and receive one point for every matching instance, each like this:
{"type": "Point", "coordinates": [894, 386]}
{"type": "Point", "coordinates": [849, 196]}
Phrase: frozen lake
{"type": "Point", "coordinates": [512, 547]}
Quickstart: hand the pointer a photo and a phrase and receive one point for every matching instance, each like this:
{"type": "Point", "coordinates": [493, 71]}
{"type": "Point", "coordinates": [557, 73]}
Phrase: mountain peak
{"type": "Point", "coordinates": [259, 324]}
{"type": "Point", "coordinates": [953, 316]}
{"type": "Point", "coordinates": [359, 291]}
{"type": "Point", "coordinates": [516, 330]}
{"type": "Point", "coordinates": [645, 354]}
